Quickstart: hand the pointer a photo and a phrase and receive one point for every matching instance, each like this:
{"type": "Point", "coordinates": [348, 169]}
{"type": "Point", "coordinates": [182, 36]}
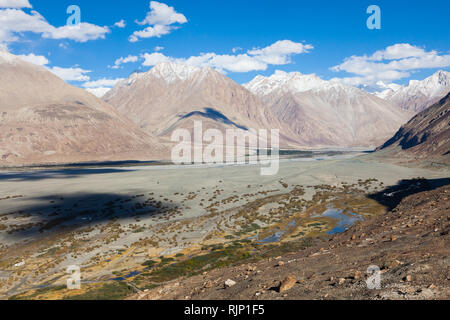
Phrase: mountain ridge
{"type": "Point", "coordinates": [419, 94]}
{"type": "Point", "coordinates": [424, 137]}
{"type": "Point", "coordinates": [328, 113]}
{"type": "Point", "coordinates": [46, 120]}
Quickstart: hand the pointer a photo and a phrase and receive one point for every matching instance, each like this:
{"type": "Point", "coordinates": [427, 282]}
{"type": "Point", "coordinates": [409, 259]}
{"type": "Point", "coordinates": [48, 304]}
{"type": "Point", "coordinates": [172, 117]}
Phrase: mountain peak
{"type": "Point", "coordinates": [441, 77]}
{"type": "Point", "coordinates": [418, 95]}
{"type": "Point", "coordinates": [172, 72]}
{"type": "Point", "coordinates": [294, 82]}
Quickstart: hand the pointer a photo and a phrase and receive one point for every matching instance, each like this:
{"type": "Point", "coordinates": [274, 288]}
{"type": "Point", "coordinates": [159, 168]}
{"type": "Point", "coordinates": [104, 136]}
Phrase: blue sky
{"type": "Point", "coordinates": [242, 38]}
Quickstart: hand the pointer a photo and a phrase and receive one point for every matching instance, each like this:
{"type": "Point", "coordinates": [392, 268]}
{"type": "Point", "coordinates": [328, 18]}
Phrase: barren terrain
{"type": "Point", "coordinates": [131, 229]}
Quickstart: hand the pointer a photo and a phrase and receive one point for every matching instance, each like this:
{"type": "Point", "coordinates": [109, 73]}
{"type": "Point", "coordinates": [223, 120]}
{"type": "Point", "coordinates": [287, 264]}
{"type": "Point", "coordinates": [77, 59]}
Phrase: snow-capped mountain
{"type": "Point", "coordinates": [171, 95]}
{"type": "Point", "coordinates": [328, 113]}
{"type": "Point", "coordinates": [383, 90]}
{"type": "Point", "coordinates": [293, 82]}
{"type": "Point", "coordinates": [44, 119]}
{"type": "Point", "coordinates": [418, 95]}
{"type": "Point", "coordinates": [169, 72]}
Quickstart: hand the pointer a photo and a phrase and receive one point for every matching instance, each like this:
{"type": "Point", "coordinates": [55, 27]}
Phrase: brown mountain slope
{"type": "Point", "coordinates": [419, 95]}
{"type": "Point", "coordinates": [409, 245]}
{"type": "Point", "coordinates": [425, 137]}
{"type": "Point", "coordinates": [170, 96]}
{"type": "Point", "coordinates": [43, 119]}
{"type": "Point", "coordinates": [328, 113]}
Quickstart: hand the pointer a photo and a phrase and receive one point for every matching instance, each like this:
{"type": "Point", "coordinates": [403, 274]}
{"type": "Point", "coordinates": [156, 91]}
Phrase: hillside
{"type": "Point", "coordinates": [407, 243]}
{"type": "Point", "coordinates": [425, 137]}
{"type": "Point", "coordinates": [328, 113]}
{"type": "Point", "coordinates": [46, 120]}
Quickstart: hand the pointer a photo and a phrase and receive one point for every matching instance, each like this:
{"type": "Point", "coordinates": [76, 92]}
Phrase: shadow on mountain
{"type": "Point", "coordinates": [392, 196]}
{"type": "Point", "coordinates": [406, 140]}
{"type": "Point", "coordinates": [57, 214]}
{"type": "Point", "coordinates": [215, 115]}
{"type": "Point", "coordinates": [56, 174]}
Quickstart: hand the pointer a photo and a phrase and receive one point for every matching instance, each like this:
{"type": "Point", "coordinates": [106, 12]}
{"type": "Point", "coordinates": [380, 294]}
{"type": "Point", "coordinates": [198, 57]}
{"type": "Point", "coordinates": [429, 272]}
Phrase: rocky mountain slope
{"type": "Point", "coordinates": [418, 95]}
{"type": "Point", "coordinates": [408, 244]}
{"type": "Point", "coordinates": [43, 119]}
{"type": "Point", "coordinates": [172, 96]}
{"type": "Point", "coordinates": [328, 113]}
{"type": "Point", "coordinates": [425, 137]}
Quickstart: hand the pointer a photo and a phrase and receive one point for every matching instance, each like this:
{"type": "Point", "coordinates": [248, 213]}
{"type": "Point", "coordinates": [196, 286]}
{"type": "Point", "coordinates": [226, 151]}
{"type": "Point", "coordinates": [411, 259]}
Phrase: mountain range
{"type": "Point", "coordinates": [309, 111]}
{"type": "Point", "coordinates": [418, 95]}
{"type": "Point", "coordinates": [328, 113]}
{"type": "Point", "coordinates": [424, 137]}
{"type": "Point", "coordinates": [46, 120]}
{"type": "Point", "coordinates": [172, 96]}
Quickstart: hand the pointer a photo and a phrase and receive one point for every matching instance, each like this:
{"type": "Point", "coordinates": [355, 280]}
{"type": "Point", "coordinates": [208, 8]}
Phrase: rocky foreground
{"type": "Point", "coordinates": [410, 245]}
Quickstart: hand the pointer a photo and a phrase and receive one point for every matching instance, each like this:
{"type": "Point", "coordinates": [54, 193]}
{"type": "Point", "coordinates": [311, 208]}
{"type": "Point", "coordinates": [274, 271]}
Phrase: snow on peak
{"type": "Point", "coordinates": [291, 82]}
{"type": "Point", "coordinates": [389, 86]}
{"type": "Point", "coordinates": [171, 72]}
{"type": "Point", "coordinates": [383, 90]}
{"type": "Point", "coordinates": [432, 87]}
{"type": "Point", "coordinates": [418, 94]}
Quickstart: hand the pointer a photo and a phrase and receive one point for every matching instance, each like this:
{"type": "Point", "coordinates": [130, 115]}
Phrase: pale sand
{"type": "Point", "coordinates": [91, 188]}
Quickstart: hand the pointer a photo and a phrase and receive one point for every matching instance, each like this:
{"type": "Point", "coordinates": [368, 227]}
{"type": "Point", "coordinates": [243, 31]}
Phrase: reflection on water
{"type": "Point", "coordinates": [130, 275]}
{"type": "Point", "coordinates": [278, 235]}
{"type": "Point", "coordinates": [273, 238]}
{"type": "Point", "coordinates": [345, 220]}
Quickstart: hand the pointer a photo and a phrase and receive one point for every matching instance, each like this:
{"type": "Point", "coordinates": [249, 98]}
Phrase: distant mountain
{"type": "Point", "coordinates": [171, 96]}
{"type": "Point", "coordinates": [43, 119]}
{"type": "Point", "coordinates": [328, 113]}
{"type": "Point", "coordinates": [418, 95]}
{"type": "Point", "coordinates": [425, 137]}
{"type": "Point", "coordinates": [382, 90]}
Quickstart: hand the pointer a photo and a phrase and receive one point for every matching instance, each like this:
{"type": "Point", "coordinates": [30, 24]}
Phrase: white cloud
{"type": "Point", "coordinates": [150, 59]}
{"type": "Point", "coordinates": [393, 63]}
{"type": "Point", "coordinates": [120, 24]}
{"type": "Point", "coordinates": [14, 22]}
{"type": "Point", "coordinates": [67, 74]}
{"type": "Point", "coordinates": [34, 59]}
{"type": "Point", "coordinates": [102, 83]}
{"type": "Point", "coordinates": [222, 63]}
{"type": "Point", "coordinates": [398, 51]}
{"type": "Point", "coordinates": [122, 60]}
{"type": "Point", "coordinates": [100, 87]}
{"type": "Point", "coordinates": [150, 32]}
{"type": "Point", "coordinates": [81, 33]}
{"type": "Point", "coordinates": [70, 74]}
{"type": "Point", "coordinates": [98, 92]}
{"type": "Point", "coordinates": [15, 4]}
{"type": "Point", "coordinates": [158, 48]}
{"type": "Point", "coordinates": [160, 20]}
{"type": "Point", "coordinates": [278, 53]}
{"type": "Point", "coordinates": [162, 14]}
{"type": "Point", "coordinates": [238, 63]}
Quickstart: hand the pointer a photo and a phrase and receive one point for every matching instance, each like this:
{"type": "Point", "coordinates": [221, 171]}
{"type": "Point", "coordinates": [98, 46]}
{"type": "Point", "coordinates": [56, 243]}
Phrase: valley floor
{"type": "Point", "coordinates": [131, 229]}
{"type": "Point", "coordinates": [409, 245]}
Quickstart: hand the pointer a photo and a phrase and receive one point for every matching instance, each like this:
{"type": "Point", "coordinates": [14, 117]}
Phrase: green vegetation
{"type": "Point", "coordinates": [108, 291]}
{"type": "Point", "coordinates": [39, 292]}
